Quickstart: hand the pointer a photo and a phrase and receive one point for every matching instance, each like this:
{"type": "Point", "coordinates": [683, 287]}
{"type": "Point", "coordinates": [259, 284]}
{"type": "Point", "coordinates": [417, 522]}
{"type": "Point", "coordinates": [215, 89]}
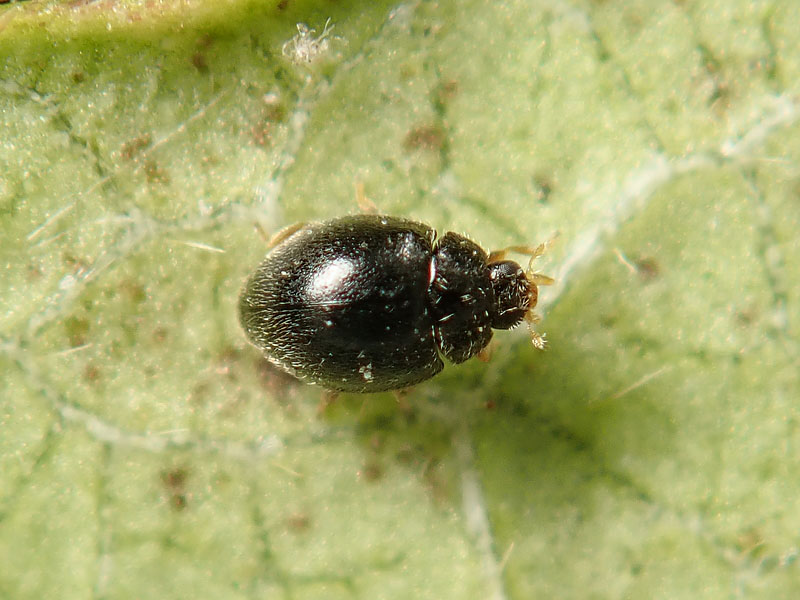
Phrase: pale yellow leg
{"type": "Point", "coordinates": [366, 205]}
{"type": "Point", "coordinates": [402, 399]}
{"type": "Point", "coordinates": [328, 398]}
{"type": "Point", "coordinates": [284, 233]}
{"type": "Point", "coordinates": [537, 339]}
{"type": "Point", "coordinates": [485, 355]}
{"type": "Point", "coordinates": [533, 252]}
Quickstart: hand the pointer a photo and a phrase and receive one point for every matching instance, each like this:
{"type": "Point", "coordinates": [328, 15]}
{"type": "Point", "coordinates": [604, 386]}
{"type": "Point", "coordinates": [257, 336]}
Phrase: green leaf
{"type": "Point", "coordinates": [148, 451]}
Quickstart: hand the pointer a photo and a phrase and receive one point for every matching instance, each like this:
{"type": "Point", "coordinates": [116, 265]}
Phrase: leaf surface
{"type": "Point", "coordinates": [148, 451]}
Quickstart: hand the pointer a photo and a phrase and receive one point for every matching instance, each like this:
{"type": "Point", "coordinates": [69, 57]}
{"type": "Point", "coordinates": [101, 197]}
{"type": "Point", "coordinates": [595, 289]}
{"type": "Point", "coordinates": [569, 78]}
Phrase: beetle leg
{"type": "Point", "coordinates": [401, 396]}
{"type": "Point", "coordinates": [328, 398]}
{"type": "Point", "coordinates": [284, 233]}
{"type": "Point", "coordinates": [538, 278]}
{"type": "Point", "coordinates": [366, 205]}
{"type": "Point", "coordinates": [496, 255]}
{"type": "Point", "coordinates": [485, 353]}
{"type": "Point", "coordinates": [537, 339]}
{"type": "Point", "coordinates": [533, 251]}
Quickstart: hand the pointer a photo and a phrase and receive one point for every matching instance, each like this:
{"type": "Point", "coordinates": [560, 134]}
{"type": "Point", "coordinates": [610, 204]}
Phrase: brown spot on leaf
{"type": "Point", "coordinates": [750, 541]}
{"type": "Point", "coordinates": [174, 481]}
{"type": "Point", "coordinates": [134, 291]}
{"type": "Point", "coordinates": [371, 472]}
{"type": "Point", "coordinates": [746, 316]}
{"type": "Point", "coordinates": [160, 335]}
{"type": "Point", "coordinates": [155, 173]}
{"type": "Point", "coordinates": [298, 522]}
{"type": "Point", "coordinates": [446, 91]}
{"type": "Point", "coordinates": [199, 62]}
{"type": "Point", "coordinates": [133, 147]}
{"type": "Point", "coordinates": [406, 455]}
{"type": "Point", "coordinates": [274, 112]}
{"type": "Point", "coordinates": [437, 486]}
{"type": "Point", "coordinates": [262, 134]}
{"type": "Point", "coordinates": [425, 137]}
{"type": "Point", "coordinates": [544, 187]}
{"type": "Point", "coordinates": [34, 273]}
{"type": "Point", "coordinates": [77, 329]}
{"type": "Point", "coordinates": [78, 265]}
{"type": "Point", "coordinates": [647, 268]}
{"type": "Point", "coordinates": [376, 443]}
{"type": "Point", "coordinates": [227, 360]}
{"type": "Point", "coordinates": [274, 381]}
{"type": "Point", "coordinates": [91, 373]}
{"type": "Point", "coordinates": [200, 393]}
{"type": "Point", "coordinates": [205, 41]}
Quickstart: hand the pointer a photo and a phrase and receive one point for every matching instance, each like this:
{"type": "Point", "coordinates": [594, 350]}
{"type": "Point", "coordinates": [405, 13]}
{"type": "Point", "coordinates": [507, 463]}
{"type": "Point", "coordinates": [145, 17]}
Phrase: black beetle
{"type": "Point", "coordinates": [367, 303]}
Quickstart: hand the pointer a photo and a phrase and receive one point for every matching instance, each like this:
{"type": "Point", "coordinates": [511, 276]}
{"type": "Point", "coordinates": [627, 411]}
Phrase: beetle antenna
{"type": "Point", "coordinates": [540, 250]}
